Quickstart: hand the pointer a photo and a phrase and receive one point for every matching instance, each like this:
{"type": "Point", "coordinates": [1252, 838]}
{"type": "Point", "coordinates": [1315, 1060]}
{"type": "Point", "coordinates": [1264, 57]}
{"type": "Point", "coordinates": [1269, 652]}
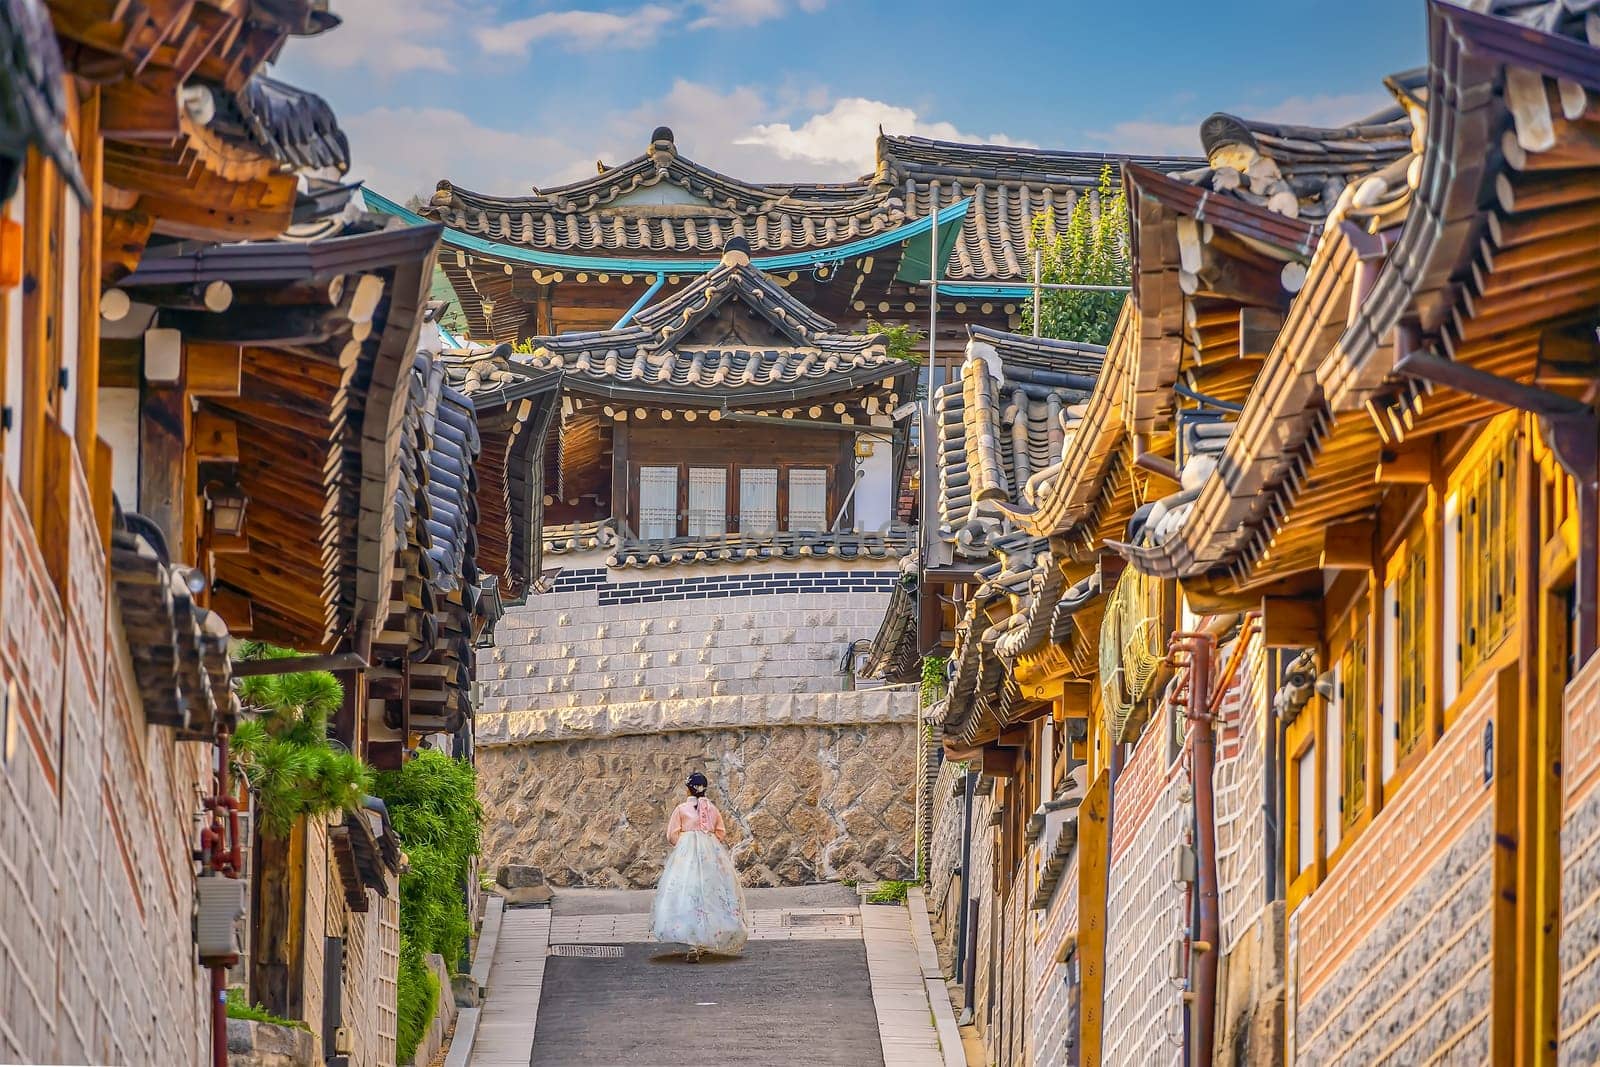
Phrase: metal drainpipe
{"type": "Point", "coordinates": [222, 854]}
{"type": "Point", "coordinates": [1202, 741]}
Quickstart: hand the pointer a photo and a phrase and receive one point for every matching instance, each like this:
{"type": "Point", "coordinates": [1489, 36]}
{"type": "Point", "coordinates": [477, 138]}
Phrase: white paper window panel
{"type": "Point", "coordinates": [758, 501]}
{"type": "Point", "coordinates": [1306, 786]}
{"type": "Point", "coordinates": [708, 501]}
{"type": "Point", "coordinates": [1391, 686]}
{"type": "Point", "coordinates": [808, 500]}
{"type": "Point", "coordinates": [13, 341]}
{"type": "Point", "coordinates": [658, 502]}
{"type": "Point", "coordinates": [1333, 749]}
{"type": "Point", "coordinates": [1452, 599]}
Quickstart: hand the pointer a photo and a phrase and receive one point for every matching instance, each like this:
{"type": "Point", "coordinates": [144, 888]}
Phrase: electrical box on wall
{"type": "Point", "coordinates": [219, 905]}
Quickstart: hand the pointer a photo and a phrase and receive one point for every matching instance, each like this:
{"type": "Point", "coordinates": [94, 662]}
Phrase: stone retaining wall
{"type": "Point", "coordinates": [802, 803]}
{"type": "Point", "coordinates": [604, 694]}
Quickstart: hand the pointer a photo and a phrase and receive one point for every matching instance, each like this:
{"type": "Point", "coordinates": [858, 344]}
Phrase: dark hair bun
{"type": "Point", "coordinates": [697, 784]}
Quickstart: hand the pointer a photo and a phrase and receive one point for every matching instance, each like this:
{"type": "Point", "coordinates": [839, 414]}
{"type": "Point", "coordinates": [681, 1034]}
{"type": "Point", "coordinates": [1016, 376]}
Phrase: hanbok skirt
{"type": "Point", "coordinates": [699, 903]}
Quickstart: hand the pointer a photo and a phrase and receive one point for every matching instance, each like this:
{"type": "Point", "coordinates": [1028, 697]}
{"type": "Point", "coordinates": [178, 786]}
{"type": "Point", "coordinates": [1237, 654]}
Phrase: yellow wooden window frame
{"type": "Point", "coordinates": [1486, 519]}
{"type": "Point", "coordinates": [1410, 616]}
{"type": "Point", "coordinates": [1355, 710]}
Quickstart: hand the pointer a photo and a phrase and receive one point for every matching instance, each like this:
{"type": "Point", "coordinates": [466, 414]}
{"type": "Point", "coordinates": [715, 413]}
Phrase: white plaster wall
{"type": "Point", "coordinates": [119, 425]}
{"type": "Point", "coordinates": [875, 490]}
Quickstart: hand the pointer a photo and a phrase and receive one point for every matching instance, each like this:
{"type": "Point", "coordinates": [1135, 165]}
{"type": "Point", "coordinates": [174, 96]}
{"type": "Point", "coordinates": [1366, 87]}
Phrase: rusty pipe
{"type": "Point", "coordinates": [1202, 742]}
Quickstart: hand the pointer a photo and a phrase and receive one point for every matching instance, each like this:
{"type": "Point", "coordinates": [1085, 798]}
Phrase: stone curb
{"type": "Point", "coordinates": [744, 711]}
{"type": "Point", "coordinates": [488, 937]}
{"type": "Point", "coordinates": [460, 1053]}
{"type": "Point", "coordinates": [944, 1016]}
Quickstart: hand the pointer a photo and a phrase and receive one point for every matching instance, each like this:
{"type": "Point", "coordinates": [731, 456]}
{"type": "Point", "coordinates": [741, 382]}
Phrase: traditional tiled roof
{"type": "Point", "coordinates": [33, 104]}
{"type": "Point", "coordinates": [663, 204]}
{"type": "Point", "coordinates": [291, 125]}
{"type": "Point", "coordinates": [580, 537]}
{"type": "Point", "coordinates": [894, 653]}
{"type": "Point", "coordinates": [696, 210]}
{"type": "Point", "coordinates": [1003, 428]}
{"type": "Point", "coordinates": [1333, 395]}
{"type": "Point", "coordinates": [737, 548]}
{"type": "Point", "coordinates": [1008, 187]}
{"type": "Point", "coordinates": [662, 357]}
{"type": "Point", "coordinates": [514, 409]}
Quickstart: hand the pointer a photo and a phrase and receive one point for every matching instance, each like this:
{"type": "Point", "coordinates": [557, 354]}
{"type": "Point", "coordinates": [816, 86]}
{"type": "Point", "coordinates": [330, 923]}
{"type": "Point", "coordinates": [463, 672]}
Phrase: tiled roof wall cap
{"type": "Point", "coordinates": [740, 548]}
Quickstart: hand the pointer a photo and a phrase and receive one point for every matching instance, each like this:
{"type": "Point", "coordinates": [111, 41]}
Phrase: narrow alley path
{"type": "Point", "coordinates": [822, 981]}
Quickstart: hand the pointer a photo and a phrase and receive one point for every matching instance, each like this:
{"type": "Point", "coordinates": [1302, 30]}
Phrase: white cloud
{"type": "Point", "coordinates": [405, 150]}
{"type": "Point", "coordinates": [581, 30]}
{"type": "Point", "coordinates": [386, 36]}
{"type": "Point", "coordinates": [843, 136]}
{"type": "Point", "coordinates": [1324, 109]}
{"type": "Point", "coordinates": [719, 14]}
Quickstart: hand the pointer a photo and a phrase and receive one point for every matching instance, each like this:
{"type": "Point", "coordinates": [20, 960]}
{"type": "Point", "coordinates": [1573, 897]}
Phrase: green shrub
{"type": "Point", "coordinates": [416, 998]}
{"type": "Point", "coordinates": [433, 803]}
{"type": "Point", "coordinates": [241, 1008]}
{"type": "Point", "coordinates": [889, 893]}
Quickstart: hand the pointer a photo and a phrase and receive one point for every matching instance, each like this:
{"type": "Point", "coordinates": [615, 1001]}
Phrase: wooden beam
{"type": "Point", "coordinates": [1291, 623]}
{"type": "Point", "coordinates": [1076, 701]}
{"type": "Point", "coordinates": [336, 661]}
{"type": "Point", "coordinates": [1348, 545]}
{"type": "Point", "coordinates": [1258, 329]}
{"type": "Point", "coordinates": [1411, 466]}
{"type": "Point", "coordinates": [1000, 762]}
{"type": "Point", "coordinates": [1094, 849]}
{"type": "Point", "coordinates": [216, 438]}
{"type": "Point", "coordinates": [213, 369]}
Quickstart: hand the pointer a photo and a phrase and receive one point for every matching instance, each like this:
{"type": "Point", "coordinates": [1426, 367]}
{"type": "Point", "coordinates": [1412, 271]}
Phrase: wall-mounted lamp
{"type": "Point", "coordinates": [227, 504]}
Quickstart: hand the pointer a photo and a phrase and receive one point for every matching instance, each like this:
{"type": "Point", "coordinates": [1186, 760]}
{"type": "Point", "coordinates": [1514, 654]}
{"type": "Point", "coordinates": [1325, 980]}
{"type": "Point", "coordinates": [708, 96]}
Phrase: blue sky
{"type": "Point", "coordinates": [503, 95]}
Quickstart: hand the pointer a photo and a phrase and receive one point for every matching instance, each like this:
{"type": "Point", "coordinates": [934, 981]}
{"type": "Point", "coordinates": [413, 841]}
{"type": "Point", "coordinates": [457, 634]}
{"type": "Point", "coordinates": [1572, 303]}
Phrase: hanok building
{"type": "Point", "coordinates": [1336, 485]}
{"type": "Point", "coordinates": [217, 425]}
{"type": "Point", "coordinates": [576, 257]}
{"type": "Point", "coordinates": [735, 458]}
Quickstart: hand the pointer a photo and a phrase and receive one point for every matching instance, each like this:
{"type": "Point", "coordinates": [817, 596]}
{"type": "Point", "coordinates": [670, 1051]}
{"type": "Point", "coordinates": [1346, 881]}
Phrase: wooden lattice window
{"type": "Point", "coordinates": [1410, 608]}
{"type": "Point", "coordinates": [1351, 693]}
{"type": "Point", "coordinates": [1486, 528]}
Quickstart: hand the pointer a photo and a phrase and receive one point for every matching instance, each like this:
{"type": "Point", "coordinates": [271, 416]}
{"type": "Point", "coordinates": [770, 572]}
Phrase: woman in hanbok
{"type": "Point", "coordinates": [699, 903]}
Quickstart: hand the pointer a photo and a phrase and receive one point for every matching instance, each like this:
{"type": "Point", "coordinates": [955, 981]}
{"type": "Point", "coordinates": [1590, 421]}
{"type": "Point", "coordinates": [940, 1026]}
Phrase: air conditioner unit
{"type": "Point", "coordinates": [219, 905]}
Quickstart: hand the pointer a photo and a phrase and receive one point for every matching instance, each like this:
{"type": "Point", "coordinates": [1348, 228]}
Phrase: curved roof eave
{"type": "Point", "coordinates": [952, 215]}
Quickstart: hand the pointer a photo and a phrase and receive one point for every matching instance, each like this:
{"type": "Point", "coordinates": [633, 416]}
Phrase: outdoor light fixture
{"type": "Point", "coordinates": [227, 504]}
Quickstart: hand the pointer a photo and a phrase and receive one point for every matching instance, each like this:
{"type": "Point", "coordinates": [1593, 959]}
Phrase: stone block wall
{"type": "Point", "coordinates": [603, 638]}
{"type": "Point", "coordinates": [604, 694]}
{"type": "Point", "coordinates": [1391, 954]}
{"type": "Point", "coordinates": [803, 803]}
{"type": "Point", "coordinates": [944, 852]}
{"type": "Point", "coordinates": [1052, 990]}
{"type": "Point", "coordinates": [96, 884]}
{"type": "Point", "coordinates": [1145, 916]}
{"type": "Point", "coordinates": [1579, 1032]}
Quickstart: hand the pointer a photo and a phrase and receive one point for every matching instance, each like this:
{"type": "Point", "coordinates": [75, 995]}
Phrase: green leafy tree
{"type": "Point", "coordinates": [433, 803]}
{"type": "Point", "coordinates": [902, 339]}
{"type": "Point", "coordinates": [1091, 250]}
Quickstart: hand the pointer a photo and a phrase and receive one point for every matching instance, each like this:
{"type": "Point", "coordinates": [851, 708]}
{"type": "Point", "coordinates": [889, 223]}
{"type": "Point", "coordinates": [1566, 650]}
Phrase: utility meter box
{"type": "Point", "coordinates": [219, 905]}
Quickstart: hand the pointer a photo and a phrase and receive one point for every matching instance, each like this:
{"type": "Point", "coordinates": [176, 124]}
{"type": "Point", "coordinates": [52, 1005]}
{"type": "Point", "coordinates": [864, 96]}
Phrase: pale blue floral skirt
{"type": "Point", "coordinates": [699, 903]}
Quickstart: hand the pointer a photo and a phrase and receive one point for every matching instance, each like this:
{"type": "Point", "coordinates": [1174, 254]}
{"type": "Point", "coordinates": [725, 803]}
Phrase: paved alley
{"type": "Point", "coordinates": [822, 981]}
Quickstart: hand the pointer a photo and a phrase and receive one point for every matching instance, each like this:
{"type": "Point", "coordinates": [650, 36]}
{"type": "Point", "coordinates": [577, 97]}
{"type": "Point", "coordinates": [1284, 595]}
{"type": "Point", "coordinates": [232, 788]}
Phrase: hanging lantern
{"type": "Point", "coordinates": [227, 504]}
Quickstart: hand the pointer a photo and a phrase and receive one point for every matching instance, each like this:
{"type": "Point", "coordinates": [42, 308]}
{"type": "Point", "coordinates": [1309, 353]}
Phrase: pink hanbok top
{"type": "Point", "coordinates": [695, 814]}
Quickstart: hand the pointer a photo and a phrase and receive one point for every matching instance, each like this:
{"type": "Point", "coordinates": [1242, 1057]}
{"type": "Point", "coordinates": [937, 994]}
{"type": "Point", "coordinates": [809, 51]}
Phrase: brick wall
{"type": "Point", "coordinates": [371, 963]}
{"type": "Point", "coordinates": [1393, 950]}
{"type": "Point", "coordinates": [1145, 909]}
{"type": "Point", "coordinates": [1239, 783]}
{"type": "Point", "coordinates": [944, 853]}
{"type": "Point", "coordinates": [96, 957]}
{"type": "Point", "coordinates": [983, 891]}
{"type": "Point", "coordinates": [1580, 871]}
